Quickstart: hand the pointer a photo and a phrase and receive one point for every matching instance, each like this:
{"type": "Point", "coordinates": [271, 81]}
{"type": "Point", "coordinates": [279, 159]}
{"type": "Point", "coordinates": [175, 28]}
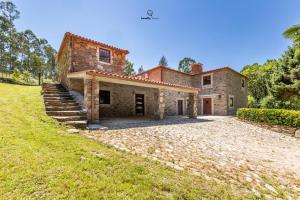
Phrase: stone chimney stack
{"type": "Point", "coordinates": [196, 68]}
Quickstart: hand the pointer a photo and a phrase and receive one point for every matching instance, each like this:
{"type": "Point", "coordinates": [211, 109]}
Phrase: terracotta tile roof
{"type": "Point", "coordinates": [209, 71]}
{"type": "Point", "coordinates": [137, 79]}
{"type": "Point", "coordinates": [72, 35]}
{"type": "Point", "coordinates": [222, 68]}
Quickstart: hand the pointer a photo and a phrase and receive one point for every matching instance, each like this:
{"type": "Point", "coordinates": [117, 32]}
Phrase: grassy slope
{"type": "Point", "coordinates": [38, 159]}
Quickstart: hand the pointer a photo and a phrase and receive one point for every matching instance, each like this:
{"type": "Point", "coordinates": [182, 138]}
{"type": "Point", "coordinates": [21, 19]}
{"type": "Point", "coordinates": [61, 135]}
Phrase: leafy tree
{"type": "Point", "coordinates": [129, 70]}
{"type": "Point", "coordinates": [163, 61]}
{"type": "Point", "coordinates": [293, 33]}
{"type": "Point", "coordinates": [141, 69]}
{"type": "Point", "coordinates": [23, 50]}
{"type": "Point", "coordinates": [9, 11]}
{"type": "Point", "coordinates": [185, 64]}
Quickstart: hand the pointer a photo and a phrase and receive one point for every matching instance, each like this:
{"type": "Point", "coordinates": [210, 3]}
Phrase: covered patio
{"type": "Point", "coordinates": [124, 99]}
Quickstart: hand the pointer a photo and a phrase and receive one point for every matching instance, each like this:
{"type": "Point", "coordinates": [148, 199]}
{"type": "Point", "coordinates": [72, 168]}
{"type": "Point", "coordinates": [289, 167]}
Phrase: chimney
{"type": "Point", "coordinates": [196, 68]}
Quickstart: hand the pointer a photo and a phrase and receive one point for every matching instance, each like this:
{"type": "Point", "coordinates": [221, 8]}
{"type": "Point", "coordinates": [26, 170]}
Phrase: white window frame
{"type": "Point", "coordinates": [229, 97]}
{"type": "Point", "coordinates": [211, 81]}
{"type": "Point", "coordinates": [98, 56]}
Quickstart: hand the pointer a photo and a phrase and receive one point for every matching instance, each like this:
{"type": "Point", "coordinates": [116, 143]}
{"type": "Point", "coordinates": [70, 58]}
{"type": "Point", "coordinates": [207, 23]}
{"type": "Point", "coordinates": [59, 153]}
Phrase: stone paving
{"type": "Point", "coordinates": [215, 147]}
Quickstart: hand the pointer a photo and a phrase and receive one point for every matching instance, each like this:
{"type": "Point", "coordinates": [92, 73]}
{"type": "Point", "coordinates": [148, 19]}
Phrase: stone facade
{"type": "Point", "coordinates": [122, 100]}
{"type": "Point", "coordinates": [225, 83]}
{"type": "Point", "coordinates": [78, 54]}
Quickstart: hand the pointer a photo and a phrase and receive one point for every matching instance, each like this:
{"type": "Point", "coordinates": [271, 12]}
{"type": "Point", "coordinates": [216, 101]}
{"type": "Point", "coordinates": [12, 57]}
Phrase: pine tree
{"type": "Point", "coordinates": [141, 69]}
{"type": "Point", "coordinates": [163, 61]}
{"type": "Point", "coordinates": [129, 70]}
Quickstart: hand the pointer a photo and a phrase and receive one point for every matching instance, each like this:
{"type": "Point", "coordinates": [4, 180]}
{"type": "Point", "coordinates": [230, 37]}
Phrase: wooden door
{"type": "Point", "coordinates": [207, 106]}
{"type": "Point", "coordinates": [139, 104]}
{"type": "Point", "coordinates": [180, 107]}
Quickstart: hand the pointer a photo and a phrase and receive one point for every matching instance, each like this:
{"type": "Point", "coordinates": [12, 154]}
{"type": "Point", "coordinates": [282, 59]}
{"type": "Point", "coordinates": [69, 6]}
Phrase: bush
{"type": "Point", "coordinates": [26, 76]}
{"type": "Point", "coordinates": [271, 116]}
{"type": "Point", "coordinates": [16, 75]}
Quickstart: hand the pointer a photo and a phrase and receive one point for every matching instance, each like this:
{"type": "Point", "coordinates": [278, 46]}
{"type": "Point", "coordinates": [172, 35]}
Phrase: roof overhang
{"type": "Point", "coordinates": [133, 81]}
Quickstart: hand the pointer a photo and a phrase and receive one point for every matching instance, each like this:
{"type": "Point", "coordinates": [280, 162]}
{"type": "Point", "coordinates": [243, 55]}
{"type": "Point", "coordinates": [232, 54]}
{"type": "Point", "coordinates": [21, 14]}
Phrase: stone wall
{"type": "Point", "coordinates": [64, 64]}
{"type": "Point", "coordinates": [234, 87]}
{"type": "Point", "coordinates": [85, 56]}
{"type": "Point", "coordinates": [76, 85]}
{"type": "Point", "coordinates": [123, 100]}
{"type": "Point", "coordinates": [218, 91]}
{"type": "Point", "coordinates": [173, 77]}
{"type": "Point", "coordinates": [171, 98]}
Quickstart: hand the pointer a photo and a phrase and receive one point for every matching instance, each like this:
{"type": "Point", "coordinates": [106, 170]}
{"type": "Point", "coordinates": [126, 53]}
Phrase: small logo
{"type": "Point", "coordinates": [150, 15]}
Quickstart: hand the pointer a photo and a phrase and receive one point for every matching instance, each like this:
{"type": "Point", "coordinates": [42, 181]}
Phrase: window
{"type": "Point", "coordinates": [104, 97]}
{"type": "Point", "coordinates": [243, 83]}
{"type": "Point", "coordinates": [104, 55]}
{"type": "Point", "coordinates": [207, 80]}
{"type": "Point", "coordinates": [231, 101]}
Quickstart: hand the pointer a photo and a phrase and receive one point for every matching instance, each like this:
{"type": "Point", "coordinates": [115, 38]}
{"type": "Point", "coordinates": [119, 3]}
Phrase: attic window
{"type": "Point", "coordinates": [104, 55]}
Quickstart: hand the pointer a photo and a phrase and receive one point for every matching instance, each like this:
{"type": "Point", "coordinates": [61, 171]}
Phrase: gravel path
{"type": "Point", "coordinates": [210, 146]}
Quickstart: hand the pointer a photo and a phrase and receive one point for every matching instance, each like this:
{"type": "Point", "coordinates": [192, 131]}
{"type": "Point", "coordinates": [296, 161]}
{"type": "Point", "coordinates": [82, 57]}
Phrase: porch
{"type": "Point", "coordinates": [111, 95]}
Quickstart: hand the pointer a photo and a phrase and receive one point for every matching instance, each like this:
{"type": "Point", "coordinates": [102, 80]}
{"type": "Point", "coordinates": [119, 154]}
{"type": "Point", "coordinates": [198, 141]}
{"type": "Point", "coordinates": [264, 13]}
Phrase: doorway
{"type": "Point", "coordinates": [139, 104]}
{"type": "Point", "coordinates": [207, 106]}
{"type": "Point", "coordinates": [180, 107]}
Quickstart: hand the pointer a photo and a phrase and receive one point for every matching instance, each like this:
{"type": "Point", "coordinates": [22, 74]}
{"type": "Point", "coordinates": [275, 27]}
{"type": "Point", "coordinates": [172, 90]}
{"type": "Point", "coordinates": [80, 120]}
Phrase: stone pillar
{"type": "Point", "coordinates": [160, 108]}
{"type": "Point", "coordinates": [91, 100]}
{"type": "Point", "coordinates": [192, 105]}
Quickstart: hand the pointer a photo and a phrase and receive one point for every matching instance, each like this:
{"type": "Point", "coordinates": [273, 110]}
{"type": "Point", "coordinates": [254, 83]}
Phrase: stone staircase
{"type": "Point", "coordinates": [60, 105]}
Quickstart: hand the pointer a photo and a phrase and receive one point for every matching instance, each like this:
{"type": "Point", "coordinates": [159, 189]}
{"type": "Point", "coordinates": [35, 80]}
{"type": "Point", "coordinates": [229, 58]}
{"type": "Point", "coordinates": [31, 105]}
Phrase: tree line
{"type": "Point", "coordinates": [276, 83]}
{"type": "Point", "coordinates": [23, 51]}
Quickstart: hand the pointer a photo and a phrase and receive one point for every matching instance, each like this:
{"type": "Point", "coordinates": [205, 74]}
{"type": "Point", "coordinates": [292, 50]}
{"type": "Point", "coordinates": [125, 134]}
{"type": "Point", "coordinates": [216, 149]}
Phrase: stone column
{"type": "Point", "coordinates": [192, 105]}
{"type": "Point", "coordinates": [91, 99]}
{"type": "Point", "coordinates": [160, 108]}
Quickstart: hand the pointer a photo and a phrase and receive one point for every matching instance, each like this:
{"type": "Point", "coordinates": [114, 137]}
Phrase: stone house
{"type": "Point", "coordinates": [94, 72]}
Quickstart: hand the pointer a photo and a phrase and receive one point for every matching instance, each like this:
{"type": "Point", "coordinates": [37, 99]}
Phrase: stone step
{"type": "Point", "coordinates": [58, 98]}
{"type": "Point", "coordinates": [57, 95]}
{"type": "Point", "coordinates": [64, 100]}
{"type": "Point", "coordinates": [55, 90]}
{"type": "Point", "coordinates": [62, 108]}
{"type": "Point", "coordinates": [77, 124]}
{"type": "Point", "coordinates": [59, 103]}
{"type": "Point", "coordinates": [69, 118]}
{"type": "Point", "coordinates": [66, 113]}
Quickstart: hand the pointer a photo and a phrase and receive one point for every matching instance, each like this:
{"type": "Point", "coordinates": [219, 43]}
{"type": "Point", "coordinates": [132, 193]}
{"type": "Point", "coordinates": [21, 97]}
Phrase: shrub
{"type": "Point", "coordinates": [26, 76]}
{"type": "Point", "coordinates": [271, 116]}
{"type": "Point", "coordinates": [16, 75]}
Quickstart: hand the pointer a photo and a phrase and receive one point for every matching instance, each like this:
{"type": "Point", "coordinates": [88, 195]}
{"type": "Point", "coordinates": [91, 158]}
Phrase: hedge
{"type": "Point", "coordinates": [271, 116]}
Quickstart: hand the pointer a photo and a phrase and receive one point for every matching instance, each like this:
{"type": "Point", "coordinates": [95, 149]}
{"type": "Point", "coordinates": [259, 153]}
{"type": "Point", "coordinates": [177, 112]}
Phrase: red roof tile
{"type": "Point", "coordinates": [137, 79]}
{"type": "Point", "coordinates": [68, 35]}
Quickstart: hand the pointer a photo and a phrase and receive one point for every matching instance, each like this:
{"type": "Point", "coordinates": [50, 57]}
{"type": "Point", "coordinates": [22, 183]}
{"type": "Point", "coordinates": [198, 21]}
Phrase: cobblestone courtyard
{"type": "Point", "coordinates": [219, 148]}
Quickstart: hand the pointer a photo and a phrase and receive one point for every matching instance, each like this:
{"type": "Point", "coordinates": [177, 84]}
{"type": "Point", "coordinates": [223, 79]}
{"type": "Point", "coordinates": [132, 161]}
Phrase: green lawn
{"type": "Point", "coordinates": [39, 159]}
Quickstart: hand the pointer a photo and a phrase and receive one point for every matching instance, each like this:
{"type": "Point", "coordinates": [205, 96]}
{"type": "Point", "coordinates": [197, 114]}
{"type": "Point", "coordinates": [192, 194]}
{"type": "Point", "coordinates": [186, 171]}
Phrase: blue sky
{"type": "Point", "coordinates": [213, 32]}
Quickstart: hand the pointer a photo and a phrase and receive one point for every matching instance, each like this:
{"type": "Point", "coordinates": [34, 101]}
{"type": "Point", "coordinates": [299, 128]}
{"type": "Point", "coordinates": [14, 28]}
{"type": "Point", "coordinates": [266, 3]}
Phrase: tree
{"type": "Point", "coordinates": [141, 69]}
{"type": "Point", "coordinates": [163, 61]}
{"type": "Point", "coordinates": [293, 33]}
{"type": "Point", "coordinates": [129, 70]}
{"type": "Point", "coordinates": [9, 11]}
{"type": "Point", "coordinates": [185, 64]}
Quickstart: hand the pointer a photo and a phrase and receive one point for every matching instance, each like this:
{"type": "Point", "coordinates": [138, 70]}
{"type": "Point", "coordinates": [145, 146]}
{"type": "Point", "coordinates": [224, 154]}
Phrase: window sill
{"type": "Point", "coordinates": [207, 86]}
